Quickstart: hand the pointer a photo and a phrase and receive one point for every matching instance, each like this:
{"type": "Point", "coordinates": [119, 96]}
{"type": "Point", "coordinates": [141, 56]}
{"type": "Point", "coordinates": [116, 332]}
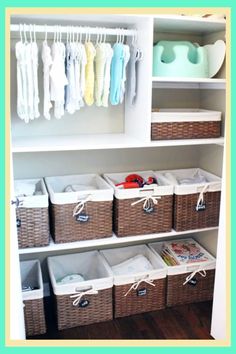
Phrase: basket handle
{"type": "Point", "coordinates": [148, 203]}
{"type": "Point", "coordinates": [136, 284]}
{"type": "Point", "coordinates": [79, 294]}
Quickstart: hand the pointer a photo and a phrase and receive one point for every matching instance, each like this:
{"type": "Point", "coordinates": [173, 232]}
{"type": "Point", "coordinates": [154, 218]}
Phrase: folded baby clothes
{"type": "Point", "coordinates": [78, 187]}
{"type": "Point", "coordinates": [133, 265]}
{"type": "Point", "coordinates": [23, 189]}
{"type": "Point", "coordinates": [71, 278]}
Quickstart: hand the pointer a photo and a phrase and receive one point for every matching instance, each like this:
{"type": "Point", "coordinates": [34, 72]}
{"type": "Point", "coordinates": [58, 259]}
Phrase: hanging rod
{"type": "Point", "coordinates": [76, 29]}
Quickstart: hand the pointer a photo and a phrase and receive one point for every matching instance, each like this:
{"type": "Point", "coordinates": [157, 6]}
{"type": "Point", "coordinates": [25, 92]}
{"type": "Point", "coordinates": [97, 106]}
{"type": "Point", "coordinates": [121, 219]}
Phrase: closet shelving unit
{"type": "Point", "coordinates": [118, 138]}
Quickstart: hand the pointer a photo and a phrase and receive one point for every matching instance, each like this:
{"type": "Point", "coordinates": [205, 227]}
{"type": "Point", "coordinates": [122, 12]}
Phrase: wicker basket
{"type": "Point", "coordinates": [199, 288]}
{"type": "Point", "coordinates": [132, 292]}
{"type": "Point", "coordinates": [185, 124]}
{"type": "Point", "coordinates": [82, 215]}
{"type": "Point", "coordinates": [32, 214]}
{"type": "Point", "coordinates": [33, 299]}
{"type": "Point", "coordinates": [130, 216]}
{"type": "Point", "coordinates": [85, 302]}
{"type": "Point", "coordinates": [190, 210]}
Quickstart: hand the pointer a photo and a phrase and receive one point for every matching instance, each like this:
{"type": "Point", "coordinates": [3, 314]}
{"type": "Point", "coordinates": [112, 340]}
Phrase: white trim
{"type": "Point", "coordinates": [185, 115]}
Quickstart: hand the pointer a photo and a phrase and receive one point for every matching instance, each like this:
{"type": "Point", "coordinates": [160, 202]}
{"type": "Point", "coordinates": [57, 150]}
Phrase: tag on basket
{"type": "Point", "coordinates": [83, 303]}
{"type": "Point", "coordinates": [18, 222]}
{"type": "Point", "coordinates": [192, 282]}
{"type": "Point", "coordinates": [82, 217]}
{"type": "Point", "coordinates": [201, 206]}
{"type": "Point", "coordinates": [142, 292]}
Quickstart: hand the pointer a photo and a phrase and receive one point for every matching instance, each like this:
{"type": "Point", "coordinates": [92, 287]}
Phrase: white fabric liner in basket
{"type": "Point", "coordinates": [213, 183]}
{"type": "Point", "coordinates": [57, 185]}
{"type": "Point", "coordinates": [185, 115]}
{"type": "Point", "coordinates": [164, 188]}
{"type": "Point", "coordinates": [156, 247]}
{"type": "Point", "coordinates": [90, 265]}
{"type": "Point", "coordinates": [116, 256]}
{"type": "Point", "coordinates": [32, 276]}
{"type": "Point", "coordinates": [31, 201]}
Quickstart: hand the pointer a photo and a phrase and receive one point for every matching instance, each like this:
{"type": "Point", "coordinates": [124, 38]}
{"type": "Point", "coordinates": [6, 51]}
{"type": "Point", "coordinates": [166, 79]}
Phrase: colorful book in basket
{"type": "Point", "coordinates": [186, 251]}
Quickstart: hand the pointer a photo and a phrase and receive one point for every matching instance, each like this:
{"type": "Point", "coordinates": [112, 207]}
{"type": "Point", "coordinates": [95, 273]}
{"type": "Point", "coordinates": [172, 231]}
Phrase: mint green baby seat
{"type": "Point", "coordinates": [179, 59]}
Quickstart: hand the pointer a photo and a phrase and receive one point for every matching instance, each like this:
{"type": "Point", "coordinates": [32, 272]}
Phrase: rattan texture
{"type": "Point", "coordinates": [185, 130]}
{"type": "Point", "coordinates": [186, 217]}
{"type": "Point", "coordinates": [132, 303]}
{"type": "Point", "coordinates": [178, 294]}
{"type": "Point", "coordinates": [98, 310]}
{"type": "Point", "coordinates": [33, 227]}
{"type": "Point", "coordinates": [132, 220]}
{"type": "Point", "coordinates": [34, 317]}
{"type": "Point", "coordinates": [65, 227]}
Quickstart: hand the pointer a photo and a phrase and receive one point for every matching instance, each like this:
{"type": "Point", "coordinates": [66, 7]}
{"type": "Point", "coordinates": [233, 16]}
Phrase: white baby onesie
{"type": "Point", "coordinates": [107, 75]}
{"type": "Point", "coordinates": [47, 62]}
{"type": "Point", "coordinates": [100, 62]}
{"type": "Point", "coordinates": [58, 78]}
{"type": "Point", "coordinates": [34, 60]}
{"type": "Point", "coordinates": [123, 80]}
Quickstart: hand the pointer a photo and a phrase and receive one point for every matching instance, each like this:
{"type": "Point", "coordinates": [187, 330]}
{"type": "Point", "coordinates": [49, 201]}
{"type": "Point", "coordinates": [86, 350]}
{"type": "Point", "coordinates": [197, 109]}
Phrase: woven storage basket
{"type": "Point", "coordinates": [92, 298]}
{"type": "Point", "coordinates": [189, 211]}
{"type": "Point", "coordinates": [199, 288]}
{"type": "Point", "coordinates": [32, 214]}
{"type": "Point", "coordinates": [131, 293]}
{"type": "Point", "coordinates": [33, 299]}
{"type": "Point", "coordinates": [93, 219]}
{"type": "Point", "coordinates": [130, 217]}
{"type": "Point", "coordinates": [185, 124]}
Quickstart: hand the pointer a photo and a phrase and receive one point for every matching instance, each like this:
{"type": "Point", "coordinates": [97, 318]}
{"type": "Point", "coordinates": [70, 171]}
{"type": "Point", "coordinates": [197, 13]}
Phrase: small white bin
{"type": "Point", "coordinates": [131, 214]}
{"type": "Point", "coordinates": [185, 124]}
{"type": "Point", "coordinates": [188, 282]}
{"type": "Point", "coordinates": [32, 293]}
{"type": "Point", "coordinates": [32, 217]}
{"type": "Point", "coordinates": [81, 302]}
{"type": "Point", "coordinates": [82, 214]}
{"type": "Point", "coordinates": [136, 291]}
{"type": "Point", "coordinates": [196, 204]}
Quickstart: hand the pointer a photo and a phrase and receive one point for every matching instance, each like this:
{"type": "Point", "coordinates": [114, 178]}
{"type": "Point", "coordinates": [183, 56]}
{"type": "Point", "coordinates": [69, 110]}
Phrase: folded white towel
{"type": "Point", "coordinates": [171, 178]}
{"type": "Point", "coordinates": [78, 187]}
{"type": "Point", "coordinates": [71, 278]}
{"type": "Point", "coordinates": [132, 265]}
{"type": "Point", "coordinates": [197, 178]}
{"type": "Point", "coordinates": [23, 189]}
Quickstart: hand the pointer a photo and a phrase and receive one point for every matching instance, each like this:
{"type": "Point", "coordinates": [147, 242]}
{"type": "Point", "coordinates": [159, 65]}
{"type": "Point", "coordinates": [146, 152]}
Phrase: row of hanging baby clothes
{"type": "Point", "coordinates": [27, 79]}
{"type": "Point", "coordinates": [74, 74]}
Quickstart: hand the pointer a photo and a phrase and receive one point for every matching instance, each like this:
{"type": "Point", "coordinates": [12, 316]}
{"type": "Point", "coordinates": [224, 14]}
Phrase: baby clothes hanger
{"type": "Point", "coordinates": [47, 62]}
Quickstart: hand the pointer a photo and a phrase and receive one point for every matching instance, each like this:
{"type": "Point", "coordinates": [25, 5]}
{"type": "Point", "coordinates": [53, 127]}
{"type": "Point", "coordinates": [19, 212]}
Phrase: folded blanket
{"type": "Point", "coordinates": [133, 265]}
{"type": "Point", "coordinates": [23, 189]}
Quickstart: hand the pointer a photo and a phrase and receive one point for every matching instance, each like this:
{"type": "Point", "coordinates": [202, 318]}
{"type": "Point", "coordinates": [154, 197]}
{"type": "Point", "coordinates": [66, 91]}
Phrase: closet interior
{"type": "Point", "coordinates": [117, 138]}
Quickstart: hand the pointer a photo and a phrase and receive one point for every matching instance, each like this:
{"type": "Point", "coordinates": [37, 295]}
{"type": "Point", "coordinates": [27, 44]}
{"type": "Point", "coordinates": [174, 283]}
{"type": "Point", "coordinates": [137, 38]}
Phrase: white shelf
{"type": "Point", "coordinates": [188, 83]}
{"type": "Point", "coordinates": [187, 24]}
{"type": "Point", "coordinates": [97, 142]}
{"type": "Point", "coordinates": [110, 241]}
{"type": "Point", "coordinates": [68, 143]}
